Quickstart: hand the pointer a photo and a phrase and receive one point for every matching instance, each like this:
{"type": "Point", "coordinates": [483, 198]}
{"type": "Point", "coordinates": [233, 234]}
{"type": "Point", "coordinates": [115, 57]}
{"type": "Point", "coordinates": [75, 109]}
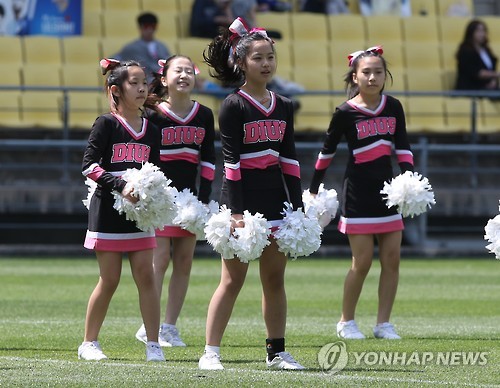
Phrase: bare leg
{"type": "Point", "coordinates": [141, 263]}
{"type": "Point", "coordinates": [182, 260]}
{"type": "Point", "coordinates": [110, 267]}
{"type": "Point", "coordinates": [221, 305]}
{"type": "Point", "coordinates": [274, 303]}
{"type": "Point", "coordinates": [390, 254]}
{"type": "Point", "coordinates": [161, 260]}
{"type": "Point", "coordinates": [362, 246]}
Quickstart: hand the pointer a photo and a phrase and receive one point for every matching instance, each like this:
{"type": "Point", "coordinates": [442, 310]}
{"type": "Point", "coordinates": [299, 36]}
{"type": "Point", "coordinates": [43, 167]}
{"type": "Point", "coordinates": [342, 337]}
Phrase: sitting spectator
{"type": "Point", "coordinates": [329, 7]}
{"type": "Point", "coordinates": [207, 16]}
{"type": "Point", "coordinates": [273, 6]}
{"type": "Point", "coordinates": [476, 63]}
{"type": "Point", "coordinates": [247, 10]}
{"type": "Point", "coordinates": [384, 7]}
{"type": "Point", "coordinates": [146, 50]}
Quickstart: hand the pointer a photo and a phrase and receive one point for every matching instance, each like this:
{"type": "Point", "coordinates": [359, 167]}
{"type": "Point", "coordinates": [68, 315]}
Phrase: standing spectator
{"type": "Point", "coordinates": [147, 50]}
{"type": "Point", "coordinates": [110, 233]}
{"type": "Point", "coordinates": [371, 123]}
{"type": "Point", "coordinates": [259, 176]}
{"type": "Point", "coordinates": [187, 148]}
{"type": "Point", "coordinates": [476, 62]}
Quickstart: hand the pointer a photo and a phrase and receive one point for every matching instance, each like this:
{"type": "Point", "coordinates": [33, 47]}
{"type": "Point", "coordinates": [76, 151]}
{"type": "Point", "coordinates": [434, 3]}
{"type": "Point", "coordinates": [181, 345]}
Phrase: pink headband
{"type": "Point", "coordinates": [163, 62]}
{"type": "Point", "coordinates": [375, 49]}
{"type": "Point", "coordinates": [108, 64]}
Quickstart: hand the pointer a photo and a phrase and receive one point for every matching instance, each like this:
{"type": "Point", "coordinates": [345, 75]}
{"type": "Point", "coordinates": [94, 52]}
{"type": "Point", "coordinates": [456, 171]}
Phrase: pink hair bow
{"type": "Point", "coordinates": [375, 49]}
{"type": "Point", "coordinates": [108, 64]}
{"type": "Point", "coordinates": [239, 28]}
{"type": "Point", "coordinates": [163, 62]}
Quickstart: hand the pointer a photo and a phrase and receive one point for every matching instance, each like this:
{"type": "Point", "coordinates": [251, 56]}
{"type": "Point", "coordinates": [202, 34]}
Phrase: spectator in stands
{"type": "Point", "coordinates": [365, 216]}
{"type": "Point", "coordinates": [385, 7]}
{"type": "Point", "coordinates": [273, 6]}
{"type": "Point", "coordinates": [476, 63]}
{"type": "Point", "coordinates": [110, 233]}
{"type": "Point", "coordinates": [247, 9]}
{"type": "Point", "coordinates": [329, 7]}
{"type": "Point", "coordinates": [146, 50]}
{"type": "Point", "coordinates": [207, 16]}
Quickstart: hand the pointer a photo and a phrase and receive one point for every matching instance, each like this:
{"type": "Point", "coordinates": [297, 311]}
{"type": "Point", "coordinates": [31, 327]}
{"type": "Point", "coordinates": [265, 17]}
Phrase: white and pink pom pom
{"type": "Point", "coordinates": [156, 205]}
{"type": "Point", "coordinates": [410, 192]}
{"type": "Point", "coordinates": [323, 206]}
{"type": "Point", "coordinates": [492, 235]}
{"type": "Point", "coordinates": [192, 214]}
{"type": "Point", "coordinates": [249, 242]}
{"type": "Point", "coordinates": [218, 232]}
{"type": "Point", "coordinates": [92, 185]}
{"type": "Point", "coordinates": [298, 235]}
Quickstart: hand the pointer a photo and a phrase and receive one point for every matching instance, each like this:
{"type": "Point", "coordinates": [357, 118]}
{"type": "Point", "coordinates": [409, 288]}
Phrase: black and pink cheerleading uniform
{"type": "Point", "coordinates": [371, 137]}
{"type": "Point", "coordinates": [261, 170]}
{"type": "Point", "coordinates": [113, 147]}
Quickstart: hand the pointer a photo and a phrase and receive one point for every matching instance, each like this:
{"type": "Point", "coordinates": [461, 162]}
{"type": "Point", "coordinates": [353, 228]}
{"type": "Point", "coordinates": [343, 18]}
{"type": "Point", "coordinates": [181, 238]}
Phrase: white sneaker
{"type": "Point", "coordinates": [141, 334]}
{"type": "Point", "coordinates": [90, 351]}
{"type": "Point", "coordinates": [349, 330]}
{"type": "Point", "coordinates": [169, 336]}
{"type": "Point", "coordinates": [154, 352]}
{"type": "Point", "coordinates": [284, 361]}
{"type": "Point", "coordinates": [385, 331]}
{"type": "Point", "coordinates": [210, 361]}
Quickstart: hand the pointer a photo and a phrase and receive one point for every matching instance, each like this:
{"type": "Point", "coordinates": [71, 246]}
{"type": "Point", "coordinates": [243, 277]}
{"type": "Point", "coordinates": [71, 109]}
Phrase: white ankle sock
{"type": "Point", "coordinates": [212, 349]}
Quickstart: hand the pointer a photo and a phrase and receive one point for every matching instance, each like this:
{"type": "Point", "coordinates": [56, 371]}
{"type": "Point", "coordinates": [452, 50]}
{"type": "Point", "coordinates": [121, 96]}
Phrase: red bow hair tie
{"type": "Point", "coordinates": [239, 28]}
{"type": "Point", "coordinates": [375, 49]}
{"type": "Point", "coordinates": [108, 64]}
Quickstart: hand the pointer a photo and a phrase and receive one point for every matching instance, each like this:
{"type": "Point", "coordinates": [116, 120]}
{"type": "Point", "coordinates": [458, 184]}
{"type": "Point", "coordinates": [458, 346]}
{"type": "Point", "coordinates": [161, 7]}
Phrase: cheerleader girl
{"type": "Point", "coordinates": [261, 172]}
{"type": "Point", "coordinates": [120, 140]}
{"type": "Point", "coordinates": [187, 147]}
{"type": "Point", "coordinates": [372, 123]}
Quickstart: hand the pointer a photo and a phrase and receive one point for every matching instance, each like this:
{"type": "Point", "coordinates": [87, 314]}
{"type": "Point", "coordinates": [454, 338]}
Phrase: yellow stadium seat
{"type": "Point", "coordinates": [423, 7]}
{"type": "Point", "coordinates": [120, 24]}
{"type": "Point", "coordinates": [179, 22]}
{"type": "Point", "coordinates": [92, 6]}
{"type": "Point", "coordinates": [448, 51]}
{"type": "Point", "coordinates": [393, 54]}
{"type": "Point", "coordinates": [42, 109]}
{"type": "Point", "coordinates": [120, 5]}
{"type": "Point", "coordinates": [317, 78]}
{"type": "Point", "coordinates": [398, 81]}
{"type": "Point", "coordinates": [169, 6]}
{"type": "Point", "coordinates": [41, 74]}
{"type": "Point", "coordinates": [418, 80]}
{"type": "Point", "coordinates": [381, 29]}
{"type": "Point", "coordinates": [489, 116]}
{"type": "Point", "coordinates": [193, 48]}
{"type": "Point", "coordinates": [11, 74]}
{"type": "Point", "coordinates": [420, 29]}
{"type": "Point", "coordinates": [493, 25]}
{"type": "Point", "coordinates": [309, 26]}
{"type": "Point", "coordinates": [452, 29]}
{"type": "Point", "coordinates": [42, 49]}
{"type": "Point", "coordinates": [111, 46]}
{"type": "Point", "coordinates": [310, 56]}
{"type": "Point", "coordinates": [12, 49]}
{"type": "Point", "coordinates": [10, 108]}
{"type": "Point", "coordinates": [341, 29]}
{"type": "Point", "coordinates": [339, 51]}
{"type": "Point", "coordinates": [82, 75]}
{"type": "Point", "coordinates": [315, 112]}
{"type": "Point", "coordinates": [184, 5]}
{"type": "Point", "coordinates": [458, 114]}
{"type": "Point", "coordinates": [421, 55]}
{"type": "Point", "coordinates": [443, 6]}
{"type": "Point", "coordinates": [92, 24]}
{"type": "Point", "coordinates": [83, 109]}
{"type": "Point", "coordinates": [284, 57]}
{"type": "Point", "coordinates": [279, 21]}
{"type": "Point", "coordinates": [210, 102]}
{"type": "Point", "coordinates": [81, 49]}
{"type": "Point", "coordinates": [425, 114]}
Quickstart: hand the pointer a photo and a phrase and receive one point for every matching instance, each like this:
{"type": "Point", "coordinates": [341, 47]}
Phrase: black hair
{"type": "Point", "coordinates": [117, 75]}
{"type": "Point", "coordinates": [223, 53]}
{"type": "Point", "coordinates": [147, 18]}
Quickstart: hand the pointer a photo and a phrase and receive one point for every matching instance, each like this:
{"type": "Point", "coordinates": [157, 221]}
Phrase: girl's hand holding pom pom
{"type": "Point", "coordinates": [410, 192]}
{"type": "Point", "coordinates": [323, 205]}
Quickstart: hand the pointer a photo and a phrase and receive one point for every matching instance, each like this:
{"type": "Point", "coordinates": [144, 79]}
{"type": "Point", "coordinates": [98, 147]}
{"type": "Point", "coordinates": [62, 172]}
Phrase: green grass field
{"type": "Point", "coordinates": [444, 308]}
